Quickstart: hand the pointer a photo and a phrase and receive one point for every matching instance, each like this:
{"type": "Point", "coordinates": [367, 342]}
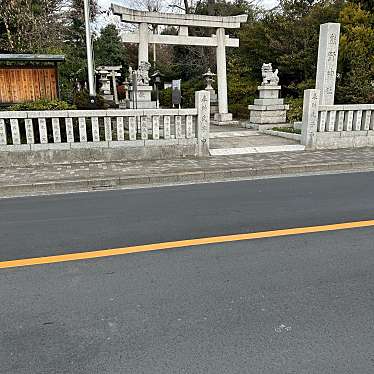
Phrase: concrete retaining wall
{"type": "Point", "coordinates": [144, 150]}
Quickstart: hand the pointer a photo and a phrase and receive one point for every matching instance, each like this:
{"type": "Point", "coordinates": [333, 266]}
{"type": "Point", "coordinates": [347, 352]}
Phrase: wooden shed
{"type": "Point", "coordinates": [28, 77]}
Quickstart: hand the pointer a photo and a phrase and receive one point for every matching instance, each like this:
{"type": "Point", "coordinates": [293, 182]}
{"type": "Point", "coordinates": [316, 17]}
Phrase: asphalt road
{"type": "Point", "coordinates": [43, 226]}
{"type": "Point", "coordinates": [297, 304]}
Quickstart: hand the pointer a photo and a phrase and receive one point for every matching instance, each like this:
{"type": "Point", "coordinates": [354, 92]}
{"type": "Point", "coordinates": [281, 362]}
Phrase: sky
{"type": "Point", "coordinates": [105, 5]}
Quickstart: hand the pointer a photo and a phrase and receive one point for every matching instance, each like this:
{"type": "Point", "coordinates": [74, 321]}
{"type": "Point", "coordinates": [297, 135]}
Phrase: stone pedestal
{"type": "Point", "coordinates": [141, 99]}
{"type": "Point", "coordinates": [221, 118]}
{"type": "Point", "coordinates": [269, 110]}
{"type": "Point", "coordinates": [224, 119]}
{"type": "Point", "coordinates": [108, 97]}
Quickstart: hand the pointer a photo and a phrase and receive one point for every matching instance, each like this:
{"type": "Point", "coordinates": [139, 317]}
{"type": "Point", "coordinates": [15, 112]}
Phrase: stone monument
{"type": "Point", "coordinates": [269, 110]}
{"type": "Point", "coordinates": [140, 89]}
{"type": "Point", "coordinates": [209, 78]}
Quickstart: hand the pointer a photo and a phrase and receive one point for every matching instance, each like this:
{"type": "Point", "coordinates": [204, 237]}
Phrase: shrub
{"type": "Point", "coordinates": [188, 92]}
{"type": "Point", "coordinates": [43, 104]}
{"type": "Point", "coordinates": [82, 101]}
{"type": "Point", "coordinates": [296, 109]}
{"type": "Point", "coordinates": [165, 97]}
{"type": "Point", "coordinates": [239, 110]}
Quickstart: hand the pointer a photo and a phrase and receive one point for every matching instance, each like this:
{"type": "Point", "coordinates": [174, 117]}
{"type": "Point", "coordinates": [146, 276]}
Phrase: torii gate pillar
{"type": "Point", "coordinates": [223, 114]}
{"type": "Point", "coordinates": [143, 43]}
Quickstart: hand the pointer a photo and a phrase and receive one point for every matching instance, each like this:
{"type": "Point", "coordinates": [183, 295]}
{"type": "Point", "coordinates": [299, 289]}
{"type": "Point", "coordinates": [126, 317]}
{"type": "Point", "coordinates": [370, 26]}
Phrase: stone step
{"type": "Point", "coordinates": [233, 134]}
{"type": "Point", "coordinates": [259, 149]}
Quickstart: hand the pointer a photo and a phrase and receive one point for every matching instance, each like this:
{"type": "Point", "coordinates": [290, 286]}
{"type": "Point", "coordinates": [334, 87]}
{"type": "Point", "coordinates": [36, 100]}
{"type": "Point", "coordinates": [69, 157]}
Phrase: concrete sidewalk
{"type": "Point", "coordinates": [19, 181]}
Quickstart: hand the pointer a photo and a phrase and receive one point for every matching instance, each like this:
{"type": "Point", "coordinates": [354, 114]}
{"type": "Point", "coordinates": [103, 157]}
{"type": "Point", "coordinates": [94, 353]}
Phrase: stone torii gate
{"type": "Point", "coordinates": [220, 40]}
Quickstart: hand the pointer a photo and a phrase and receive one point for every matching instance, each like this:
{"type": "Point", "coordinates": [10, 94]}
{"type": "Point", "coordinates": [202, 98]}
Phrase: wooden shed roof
{"type": "Point", "coordinates": [31, 57]}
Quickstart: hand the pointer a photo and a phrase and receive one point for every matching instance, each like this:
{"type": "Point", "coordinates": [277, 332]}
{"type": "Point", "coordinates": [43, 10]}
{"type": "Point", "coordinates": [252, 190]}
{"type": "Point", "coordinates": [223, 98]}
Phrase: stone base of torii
{"type": "Point", "coordinates": [219, 40]}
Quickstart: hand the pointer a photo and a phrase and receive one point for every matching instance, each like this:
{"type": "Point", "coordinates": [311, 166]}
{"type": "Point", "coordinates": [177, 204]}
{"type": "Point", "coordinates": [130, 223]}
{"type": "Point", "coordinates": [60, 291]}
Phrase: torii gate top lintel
{"type": "Point", "coordinates": [173, 19]}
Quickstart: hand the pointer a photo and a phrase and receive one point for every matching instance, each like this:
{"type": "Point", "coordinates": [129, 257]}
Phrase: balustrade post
{"type": "Point", "coordinates": [202, 104]}
{"type": "Point", "coordinates": [310, 117]}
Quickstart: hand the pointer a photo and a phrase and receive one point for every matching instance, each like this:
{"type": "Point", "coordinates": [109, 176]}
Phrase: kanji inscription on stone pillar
{"type": "Point", "coordinates": [327, 61]}
{"type": "Point", "coordinates": [202, 104]}
{"type": "Point", "coordinates": [310, 117]}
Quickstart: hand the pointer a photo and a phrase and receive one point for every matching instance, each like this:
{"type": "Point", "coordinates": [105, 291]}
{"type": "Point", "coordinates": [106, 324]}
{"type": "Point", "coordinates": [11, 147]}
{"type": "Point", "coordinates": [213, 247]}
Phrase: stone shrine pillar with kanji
{"type": "Point", "coordinates": [328, 50]}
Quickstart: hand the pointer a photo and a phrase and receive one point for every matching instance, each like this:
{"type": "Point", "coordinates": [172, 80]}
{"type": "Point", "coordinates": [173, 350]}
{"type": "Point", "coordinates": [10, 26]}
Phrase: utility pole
{"type": "Point", "coordinates": [91, 88]}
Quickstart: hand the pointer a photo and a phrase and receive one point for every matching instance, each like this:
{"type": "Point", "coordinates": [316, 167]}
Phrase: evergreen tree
{"type": "Point", "coordinates": [356, 55]}
{"type": "Point", "coordinates": [33, 26]}
{"type": "Point", "coordinates": [109, 49]}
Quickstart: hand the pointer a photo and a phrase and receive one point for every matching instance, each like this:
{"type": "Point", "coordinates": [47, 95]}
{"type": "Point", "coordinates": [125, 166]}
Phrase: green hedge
{"type": "Point", "coordinates": [43, 104]}
{"type": "Point", "coordinates": [81, 100]}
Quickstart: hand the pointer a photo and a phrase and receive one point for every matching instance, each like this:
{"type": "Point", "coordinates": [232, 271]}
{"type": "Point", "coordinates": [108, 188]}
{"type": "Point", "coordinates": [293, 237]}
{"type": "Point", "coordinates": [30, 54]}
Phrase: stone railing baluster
{"type": "Point", "coordinates": [156, 127]}
{"type": "Point", "coordinates": [366, 120]}
{"type": "Point", "coordinates": [29, 128]}
{"type": "Point", "coordinates": [3, 139]}
{"type": "Point", "coordinates": [69, 130]}
{"type": "Point", "coordinates": [330, 126]}
{"type": "Point", "coordinates": [108, 128]}
{"type": "Point", "coordinates": [166, 126]}
{"type": "Point", "coordinates": [43, 130]}
{"type": "Point", "coordinates": [56, 130]}
{"type": "Point", "coordinates": [178, 127]}
{"type": "Point", "coordinates": [95, 129]}
{"type": "Point", "coordinates": [82, 129]}
{"type": "Point", "coordinates": [120, 129]}
{"type": "Point", "coordinates": [132, 128]}
{"type": "Point", "coordinates": [340, 123]}
{"type": "Point", "coordinates": [357, 118]}
{"type": "Point", "coordinates": [144, 128]}
{"type": "Point", "coordinates": [14, 128]}
{"type": "Point", "coordinates": [348, 121]}
{"type": "Point", "coordinates": [189, 127]}
{"type": "Point", "coordinates": [322, 121]}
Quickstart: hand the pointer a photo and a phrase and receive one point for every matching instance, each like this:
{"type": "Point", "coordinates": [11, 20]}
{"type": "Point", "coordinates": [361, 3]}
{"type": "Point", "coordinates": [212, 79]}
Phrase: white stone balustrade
{"type": "Point", "coordinates": [64, 130]}
{"type": "Point", "coordinates": [336, 126]}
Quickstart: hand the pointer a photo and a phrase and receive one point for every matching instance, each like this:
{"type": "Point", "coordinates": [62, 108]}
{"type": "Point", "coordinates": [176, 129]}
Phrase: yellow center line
{"type": "Point", "coordinates": [182, 243]}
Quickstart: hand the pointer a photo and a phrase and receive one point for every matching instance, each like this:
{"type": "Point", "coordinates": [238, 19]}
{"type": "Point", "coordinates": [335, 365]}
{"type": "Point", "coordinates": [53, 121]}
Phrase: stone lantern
{"type": "Point", "coordinates": [209, 78]}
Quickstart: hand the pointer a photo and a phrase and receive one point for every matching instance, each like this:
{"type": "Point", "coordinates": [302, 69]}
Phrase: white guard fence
{"type": "Point", "coordinates": [336, 126]}
{"type": "Point", "coordinates": [32, 131]}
